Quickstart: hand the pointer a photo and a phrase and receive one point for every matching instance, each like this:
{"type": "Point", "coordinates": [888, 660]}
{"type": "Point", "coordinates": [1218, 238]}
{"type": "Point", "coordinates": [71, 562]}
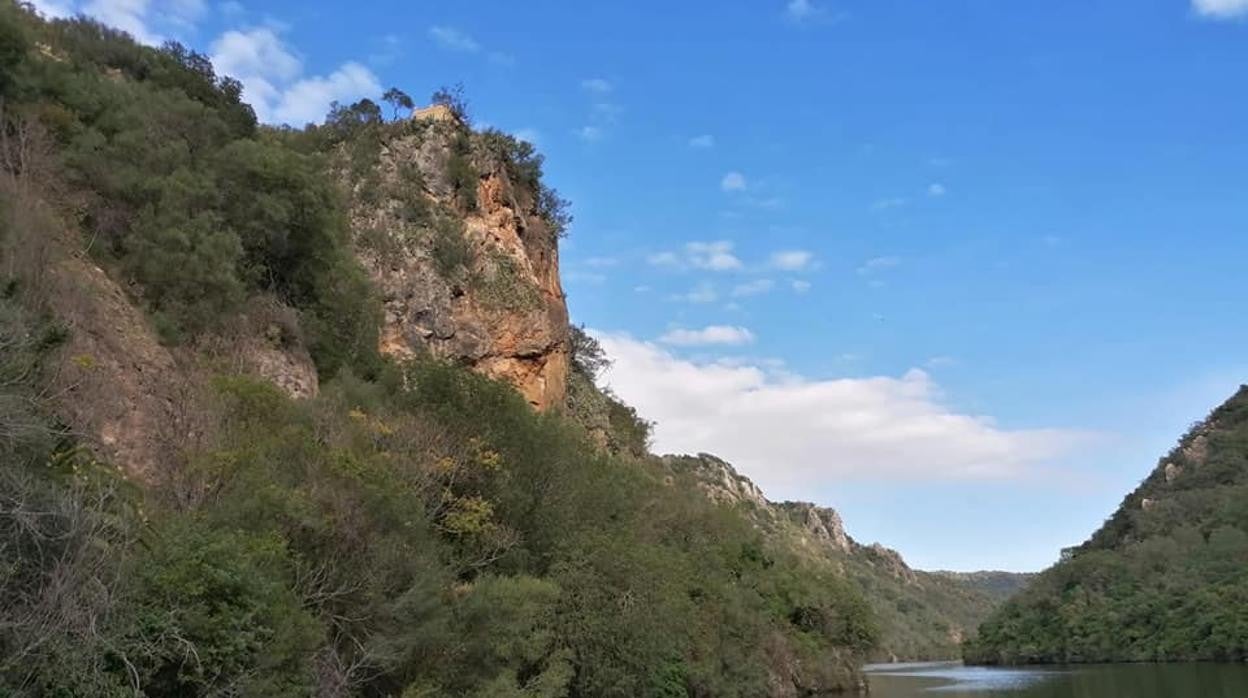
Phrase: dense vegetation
{"type": "Point", "coordinates": [921, 615]}
{"type": "Point", "coordinates": [413, 530]}
{"type": "Point", "coordinates": [1165, 579]}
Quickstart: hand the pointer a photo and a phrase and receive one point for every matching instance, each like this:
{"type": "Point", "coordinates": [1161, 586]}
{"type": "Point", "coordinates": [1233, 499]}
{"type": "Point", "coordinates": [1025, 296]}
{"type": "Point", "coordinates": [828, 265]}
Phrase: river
{"type": "Point", "coordinates": [950, 680]}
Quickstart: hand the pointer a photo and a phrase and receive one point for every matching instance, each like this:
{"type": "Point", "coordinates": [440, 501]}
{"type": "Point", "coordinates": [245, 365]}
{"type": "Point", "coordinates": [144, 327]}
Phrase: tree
{"type": "Point", "coordinates": [397, 99]}
{"type": "Point", "coordinates": [587, 354]}
{"type": "Point", "coordinates": [453, 98]}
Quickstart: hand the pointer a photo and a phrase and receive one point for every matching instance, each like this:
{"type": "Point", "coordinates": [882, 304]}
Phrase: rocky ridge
{"type": "Point", "coordinates": [924, 615]}
{"type": "Point", "coordinates": [472, 276]}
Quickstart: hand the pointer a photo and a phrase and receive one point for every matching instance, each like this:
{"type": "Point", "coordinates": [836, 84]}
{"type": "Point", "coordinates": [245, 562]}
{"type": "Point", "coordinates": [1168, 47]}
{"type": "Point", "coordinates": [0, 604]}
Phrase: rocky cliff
{"type": "Point", "coordinates": [466, 265]}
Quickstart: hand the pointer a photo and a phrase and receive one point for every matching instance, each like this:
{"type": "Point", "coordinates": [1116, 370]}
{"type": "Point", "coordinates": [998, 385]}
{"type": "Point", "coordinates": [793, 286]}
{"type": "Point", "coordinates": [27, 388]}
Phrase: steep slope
{"type": "Point", "coordinates": [448, 223]}
{"type": "Point", "coordinates": [1165, 578]}
{"type": "Point", "coordinates": [921, 615]}
{"type": "Point", "coordinates": [241, 449]}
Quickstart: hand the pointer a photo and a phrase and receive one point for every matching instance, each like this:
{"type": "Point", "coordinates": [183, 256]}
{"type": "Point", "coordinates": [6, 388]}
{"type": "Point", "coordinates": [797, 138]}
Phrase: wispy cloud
{"type": "Point", "coordinates": [724, 335]}
{"type": "Point", "coordinates": [936, 189]}
{"type": "Point", "coordinates": [792, 260]}
{"type": "Point", "coordinates": [733, 181]}
{"type": "Point", "coordinates": [702, 293]}
{"type": "Point", "coordinates": [888, 203]}
{"type": "Point", "coordinates": [596, 85]}
{"type": "Point", "coordinates": [802, 10]}
{"type": "Point", "coordinates": [717, 255]}
{"type": "Point", "coordinates": [705, 140]}
{"type": "Point", "coordinates": [148, 22]}
{"type": "Point", "coordinates": [589, 133]}
{"type": "Point", "coordinates": [1221, 9]}
{"type": "Point", "coordinates": [753, 288]}
{"type": "Point", "coordinates": [878, 264]}
{"type": "Point", "coordinates": [531, 135]}
{"type": "Point", "coordinates": [800, 286]}
{"type": "Point", "coordinates": [453, 39]}
{"type": "Point", "coordinates": [389, 48]}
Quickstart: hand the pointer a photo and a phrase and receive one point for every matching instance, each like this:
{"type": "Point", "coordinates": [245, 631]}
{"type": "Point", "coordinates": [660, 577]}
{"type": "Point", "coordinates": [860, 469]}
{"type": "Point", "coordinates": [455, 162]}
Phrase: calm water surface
{"type": "Point", "coordinates": [947, 680]}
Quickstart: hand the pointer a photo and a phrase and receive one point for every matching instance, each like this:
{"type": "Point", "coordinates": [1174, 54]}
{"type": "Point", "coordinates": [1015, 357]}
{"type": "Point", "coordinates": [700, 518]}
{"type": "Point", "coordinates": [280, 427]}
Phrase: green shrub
{"type": "Point", "coordinates": [450, 250]}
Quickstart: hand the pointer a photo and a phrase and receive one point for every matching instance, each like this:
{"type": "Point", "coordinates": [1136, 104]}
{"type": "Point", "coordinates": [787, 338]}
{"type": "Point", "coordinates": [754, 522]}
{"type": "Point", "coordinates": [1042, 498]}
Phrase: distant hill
{"type": "Point", "coordinates": [1166, 577]}
{"type": "Point", "coordinates": [994, 584]}
{"type": "Point", "coordinates": [921, 615]}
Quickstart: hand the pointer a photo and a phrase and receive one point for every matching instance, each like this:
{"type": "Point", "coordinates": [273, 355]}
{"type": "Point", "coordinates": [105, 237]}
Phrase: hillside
{"type": "Point", "coordinates": [1165, 578]}
{"type": "Point", "coordinates": [299, 412]}
{"type": "Point", "coordinates": [921, 615]}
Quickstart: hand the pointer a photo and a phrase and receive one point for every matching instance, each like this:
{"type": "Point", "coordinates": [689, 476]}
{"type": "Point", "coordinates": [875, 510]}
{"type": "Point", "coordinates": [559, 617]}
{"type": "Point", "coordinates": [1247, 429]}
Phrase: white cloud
{"type": "Point", "coordinates": [1221, 9]}
{"type": "Point", "coordinates": [753, 288]}
{"type": "Point", "coordinates": [148, 21]}
{"type": "Point", "coordinates": [715, 256]}
{"type": "Point", "coordinates": [663, 259]}
{"type": "Point", "coordinates": [936, 189]}
{"type": "Point", "coordinates": [733, 181]}
{"type": "Point", "coordinates": [588, 133]}
{"type": "Point", "coordinates": [52, 8]}
{"type": "Point", "coordinates": [531, 135]}
{"type": "Point", "coordinates": [702, 293]}
{"type": "Point", "coordinates": [792, 434]}
{"type": "Point", "coordinates": [453, 39]}
{"type": "Point", "coordinates": [800, 286]}
{"type": "Point", "coordinates": [596, 85]}
{"type": "Point", "coordinates": [706, 140]}
{"type": "Point", "coordinates": [792, 260]}
{"type": "Point", "coordinates": [130, 16]}
{"type": "Point", "coordinates": [726, 335]}
{"type": "Point", "coordinates": [255, 53]}
{"type": "Point", "coordinates": [272, 80]}
{"type": "Point", "coordinates": [878, 264]}
{"type": "Point", "coordinates": [308, 99]}
{"type": "Point", "coordinates": [800, 10]}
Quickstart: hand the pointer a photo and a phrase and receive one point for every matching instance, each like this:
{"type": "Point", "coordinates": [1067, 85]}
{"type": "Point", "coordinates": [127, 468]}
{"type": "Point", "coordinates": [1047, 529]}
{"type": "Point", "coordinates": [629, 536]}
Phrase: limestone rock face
{"type": "Point", "coordinates": [822, 523]}
{"type": "Point", "coordinates": [1173, 471]}
{"type": "Point", "coordinates": [475, 283]}
{"type": "Point", "coordinates": [120, 390]}
{"type": "Point", "coordinates": [719, 481]}
{"type": "Point", "coordinates": [138, 403]}
{"type": "Point", "coordinates": [891, 561]}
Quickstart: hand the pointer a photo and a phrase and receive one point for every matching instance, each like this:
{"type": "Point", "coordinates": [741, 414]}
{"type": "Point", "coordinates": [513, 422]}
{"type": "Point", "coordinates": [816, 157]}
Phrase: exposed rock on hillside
{"type": "Point", "coordinates": [923, 615]}
{"type": "Point", "coordinates": [823, 524]}
{"type": "Point", "coordinates": [466, 266]}
{"type": "Point", "coordinates": [720, 481]}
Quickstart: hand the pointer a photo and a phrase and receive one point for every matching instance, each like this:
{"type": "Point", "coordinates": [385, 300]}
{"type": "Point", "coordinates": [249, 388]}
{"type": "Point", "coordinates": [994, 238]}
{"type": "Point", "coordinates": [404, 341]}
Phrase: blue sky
{"type": "Point", "coordinates": [962, 269]}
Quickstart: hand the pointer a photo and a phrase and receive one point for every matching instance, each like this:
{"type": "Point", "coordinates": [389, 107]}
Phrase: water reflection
{"type": "Point", "coordinates": [946, 680]}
